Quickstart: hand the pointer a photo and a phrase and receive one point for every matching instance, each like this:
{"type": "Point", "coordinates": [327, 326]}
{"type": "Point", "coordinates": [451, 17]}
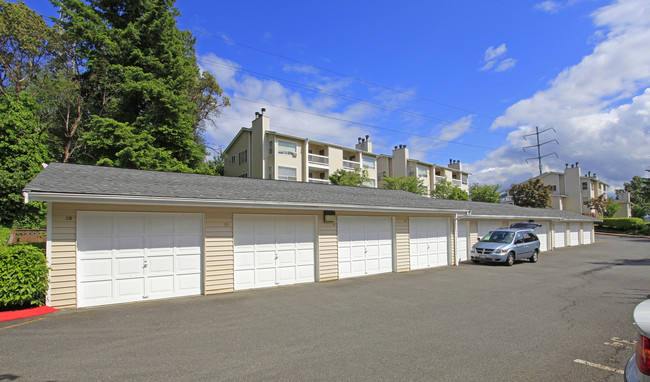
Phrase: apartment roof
{"type": "Point", "coordinates": [81, 183]}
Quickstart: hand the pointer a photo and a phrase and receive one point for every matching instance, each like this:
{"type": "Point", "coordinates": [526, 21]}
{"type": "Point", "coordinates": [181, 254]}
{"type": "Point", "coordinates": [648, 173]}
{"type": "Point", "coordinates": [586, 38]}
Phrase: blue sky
{"type": "Point", "coordinates": [463, 80]}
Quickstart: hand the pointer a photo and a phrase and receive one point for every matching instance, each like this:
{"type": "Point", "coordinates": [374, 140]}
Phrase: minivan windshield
{"type": "Point", "coordinates": [498, 237]}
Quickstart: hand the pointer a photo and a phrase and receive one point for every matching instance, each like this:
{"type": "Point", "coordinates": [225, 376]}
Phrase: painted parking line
{"type": "Point", "coordinates": [597, 366]}
{"type": "Point", "coordinates": [23, 323]}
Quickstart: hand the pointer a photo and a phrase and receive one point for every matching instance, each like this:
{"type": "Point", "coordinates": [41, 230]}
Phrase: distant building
{"type": "Point", "coordinates": [570, 190]}
{"type": "Point", "coordinates": [258, 152]}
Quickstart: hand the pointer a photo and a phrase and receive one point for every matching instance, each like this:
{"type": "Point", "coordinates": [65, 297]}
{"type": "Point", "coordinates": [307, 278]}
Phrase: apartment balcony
{"type": "Point", "coordinates": [321, 181]}
{"type": "Point", "coordinates": [439, 179]}
{"type": "Point", "coordinates": [320, 161]}
{"type": "Point", "coordinates": [351, 165]}
{"type": "Point", "coordinates": [456, 182]}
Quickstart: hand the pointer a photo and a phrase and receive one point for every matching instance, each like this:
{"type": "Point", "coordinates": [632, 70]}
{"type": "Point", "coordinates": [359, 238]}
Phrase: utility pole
{"type": "Point", "coordinates": [539, 146]}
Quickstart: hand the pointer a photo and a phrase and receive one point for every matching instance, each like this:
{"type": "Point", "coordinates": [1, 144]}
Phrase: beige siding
{"type": "Point", "coordinates": [328, 251]}
{"type": "Point", "coordinates": [402, 244]}
{"type": "Point", "coordinates": [219, 253]}
{"type": "Point", "coordinates": [235, 168]}
{"type": "Point", "coordinates": [473, 232]}
{"type": "Point", "coordinates": [63, 257]}
{"type": "Point", "coordinates": [452, 240]}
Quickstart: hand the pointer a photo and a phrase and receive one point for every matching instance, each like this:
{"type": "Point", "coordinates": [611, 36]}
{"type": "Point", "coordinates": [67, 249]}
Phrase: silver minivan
{"type": "Point", "coordinates": [505, 245]}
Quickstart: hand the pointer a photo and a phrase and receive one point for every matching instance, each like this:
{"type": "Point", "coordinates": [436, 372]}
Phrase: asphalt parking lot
{"type": "Point", "coordinates": [566, 318]}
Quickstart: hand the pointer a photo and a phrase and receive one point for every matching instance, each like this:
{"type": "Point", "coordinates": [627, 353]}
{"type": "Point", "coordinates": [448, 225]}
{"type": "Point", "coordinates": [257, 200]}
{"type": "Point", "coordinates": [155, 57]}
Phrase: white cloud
{"type": "Point", "coordinates": [289, 111]}
{"type": "Point", "coordinates": [496, 56]}
{"type": "Point", "coordinates": [505, 65]}
{"type": "Point", "coordinates": [548, 6]}
{"type": "Point", "coordinates": [421, 147]}
{"type": "Point", "coordinates": [600, 107]}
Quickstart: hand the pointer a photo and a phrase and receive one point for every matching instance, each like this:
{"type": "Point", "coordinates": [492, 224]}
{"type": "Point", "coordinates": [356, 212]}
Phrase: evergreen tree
{"type": "Point", "coordinates": [145, 94]}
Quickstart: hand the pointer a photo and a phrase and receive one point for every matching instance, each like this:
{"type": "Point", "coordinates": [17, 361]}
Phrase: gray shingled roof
{"type": "Point", "coordinates": [71, 180]}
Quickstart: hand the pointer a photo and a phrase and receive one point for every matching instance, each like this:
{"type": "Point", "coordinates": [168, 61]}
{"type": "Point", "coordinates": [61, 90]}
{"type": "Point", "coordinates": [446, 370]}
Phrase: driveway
{"type": "Point", "coordinates": [568, 317]}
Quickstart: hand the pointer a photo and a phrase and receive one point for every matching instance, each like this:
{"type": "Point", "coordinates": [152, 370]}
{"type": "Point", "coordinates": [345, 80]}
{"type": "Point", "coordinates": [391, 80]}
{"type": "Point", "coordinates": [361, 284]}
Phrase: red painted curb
{"type": "Point", "coordinates": [25, 313]}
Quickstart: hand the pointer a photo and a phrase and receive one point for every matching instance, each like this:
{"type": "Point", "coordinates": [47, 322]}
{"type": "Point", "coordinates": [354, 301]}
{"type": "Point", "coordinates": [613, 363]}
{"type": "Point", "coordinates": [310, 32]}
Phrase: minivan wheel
{"type": "Point", "coordinates": [533, 258]}
{"type": "Point", "coordinates": [511, 259]}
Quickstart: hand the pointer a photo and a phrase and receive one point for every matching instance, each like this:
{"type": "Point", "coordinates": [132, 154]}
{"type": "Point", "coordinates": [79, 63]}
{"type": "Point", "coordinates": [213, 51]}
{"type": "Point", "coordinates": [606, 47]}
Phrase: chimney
{"type": "Point", "coordinates": [566, 165]}
{"type": "Point", "coordinates": [364, 144]}
{"type": "Point", "coordinates": [456, 165]}
{"type": "Point", "coordinates": [577, 164]}
{"type": "Point", "coordinates": [263, 111]}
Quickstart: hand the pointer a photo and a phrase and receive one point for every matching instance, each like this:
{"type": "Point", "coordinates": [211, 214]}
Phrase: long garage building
{"type": "Point", "coordinates": [118, 235]}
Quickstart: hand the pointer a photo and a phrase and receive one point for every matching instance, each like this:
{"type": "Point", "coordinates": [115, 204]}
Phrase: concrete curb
{"type": "Point", "coordinates": [623, 235]}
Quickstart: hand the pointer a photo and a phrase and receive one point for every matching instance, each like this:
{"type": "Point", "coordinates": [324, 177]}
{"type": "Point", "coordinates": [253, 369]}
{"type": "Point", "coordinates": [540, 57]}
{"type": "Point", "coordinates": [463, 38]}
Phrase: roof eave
{"type": "Point", "coordinates": [41, 196]}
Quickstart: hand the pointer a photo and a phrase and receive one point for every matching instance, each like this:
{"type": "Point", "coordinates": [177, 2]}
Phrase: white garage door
{"type": "Point", "coordinates": [574, 234]}
{"type": "Point", "coordinates": [428, 242]}
{"type": "Point", "coordinates": [485, 226]}
{"type": "Point", "coordinates": [124, 257]}
{"type": "Point", "coordinates": [365, 245]}
{"type": "Point", "coordinates": [542, 233]}
{"type": "Point", "coordinates": [559, 235]}
{"type": "Point", "coordinates": [273, 250]}
{"type": "Point", "coordinates": [463, 239]}
{"type": "Point", "coordinates": [586, 232]}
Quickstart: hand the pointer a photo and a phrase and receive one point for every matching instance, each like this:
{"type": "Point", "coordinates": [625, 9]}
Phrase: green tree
{"type": "Point", "coordinates": [532, 193]}
{"type": "Point", "coordinates": [484, 193]}
{"type": "Point", "coordinates": [21, 155]}
{"type": "Point", "coordinates": [405, 183]}
{"type": "Point", "coordinates": [25, 51]}
{"type": "Point", "coordinates": [600, 204]}
{"type": "Point", "coordinates": [358, 178]}
{"type": "Point", "coordinates": [146, 97]}
{"type": "Point", "coordinates": [611, 208]}
{"type": "Point", "coordinates": [445, 190]}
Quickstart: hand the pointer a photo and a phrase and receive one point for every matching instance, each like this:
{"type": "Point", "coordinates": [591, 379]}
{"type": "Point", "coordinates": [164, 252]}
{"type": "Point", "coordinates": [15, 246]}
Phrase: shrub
{"type": "Point", "coordinates": [624, 224]}
{"type": "Point", "coordinates": [23, 276]}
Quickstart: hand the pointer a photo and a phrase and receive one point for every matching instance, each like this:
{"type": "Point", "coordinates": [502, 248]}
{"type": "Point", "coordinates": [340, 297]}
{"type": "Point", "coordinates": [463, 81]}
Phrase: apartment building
{"type": "Point", "coordinates": [570, 190]}
{"type": "Point", "coordinates": [258, 152]}
{"type": "Point", "coordinates": [400, 164]}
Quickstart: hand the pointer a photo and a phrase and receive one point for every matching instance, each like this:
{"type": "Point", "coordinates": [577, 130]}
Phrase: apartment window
{"type": "Point", "coordinates": [412, 171]}
{"type": "Point", "coordinates": [585, 186]}
{"type": "Point", "coordinates": [232, 159]}
{"type": "Point", "coordinates": [422, 171]}
{"type": "Point", "coordinates": [243, 157]}
{"type": "Point", "coordinates": [370, 183]}
{"type": "Point", "coordinates": [289, 148]}
{"type": "Point", "coordinates": [381, 175]}
{"type": "Point", "coordinates": [553, 187]}
{"type": "Point", "coordinates": [287, 173]}
{"type": "Point", "coordinates": [369, 163]}
{"type": "Point", "coordinates": [270, 147]}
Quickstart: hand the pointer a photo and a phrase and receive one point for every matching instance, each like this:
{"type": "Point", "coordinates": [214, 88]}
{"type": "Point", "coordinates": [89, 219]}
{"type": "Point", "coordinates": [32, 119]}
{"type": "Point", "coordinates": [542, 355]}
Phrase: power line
{"type": "Point", "coordinates": [539, 146]}
{"type": "Point", "coordinates": [362, 123]}
{"type": "Point", "coordinates": [343, 96]}
{"type": "Point", "coordinates": [340, 74]}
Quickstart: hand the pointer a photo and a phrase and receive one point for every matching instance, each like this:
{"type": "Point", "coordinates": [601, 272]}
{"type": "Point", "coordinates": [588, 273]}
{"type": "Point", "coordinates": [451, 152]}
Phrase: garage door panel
{"type": "Point", "coordinates": [130, 224]}
{"type": "Point", "coordinates": [365, 245]}
{"type": "Point", "coordinates": [160, 285]}
{"type": "Point", "coordinates": [244, 279]}
{"type": "Point", "coordinates": [560, 234]}
{"type": "Point", "coordinates": [286, 275]}
{"type": "Point", "coordinates": [265, 277]}
{"type": "Point", "coordinates": [130, 288]}
{"type": "Point", "coordinates": [188, 284]}
{"type": "Point", "coordinates": [279, 245]}
{"type": "Point", "coordinates": [187, 224]}
{"type": "Point", "coordinates": [134, 239]}
{"type": "Point", "coordinates": [128, 266]}
{"type": "Point", "coordinates": [99, 292]}
{"type": "Point", "coordinates": [129, 246]}
{"type": "Point", "coordinates": [161, 264]}
{"type": "Point", "coordinates": [264, 258]}
{"type": "Point", "coordinates": [96, 246]}
{"type": "Point", "coordinates": [188, 263]}
{"type": "Point", "coordinates": [97, 225]}
{"type": "Point", "coordinates": [96, 269]}
{"type": "Point", "coordinates": [428, 238]}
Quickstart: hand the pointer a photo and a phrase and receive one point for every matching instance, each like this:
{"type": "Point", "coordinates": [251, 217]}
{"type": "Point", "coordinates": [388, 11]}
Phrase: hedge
{"type": "Point", "coordinates": [23, 276]}
{"type": "Point", "coordinates": [624, 224]}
